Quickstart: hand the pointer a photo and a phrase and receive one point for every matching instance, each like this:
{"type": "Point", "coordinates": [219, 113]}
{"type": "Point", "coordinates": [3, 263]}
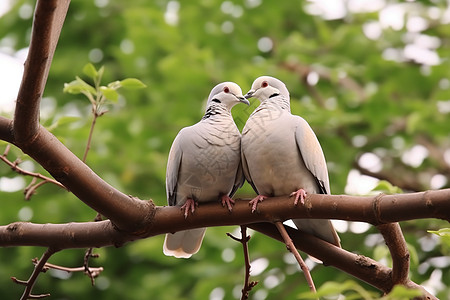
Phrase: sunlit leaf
{"type": "Point", "coordinates": [132, 84]}
{"type": "Point", "coordinates": [90, 71]}
{"type": "Point", "coordinates": [78, 86]}
{"type": "Point", "coordinates": [109, 93]}
{"type": "Point", "coordinates": [444, 233]}
{"type": "Point", "coordinates": [387, 188]}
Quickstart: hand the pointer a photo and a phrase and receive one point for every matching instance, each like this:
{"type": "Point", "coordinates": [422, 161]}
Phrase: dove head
{"type": "Point", "coordinates": [227, 94]}
{"type": "Point", "coordinates": [265, 87]}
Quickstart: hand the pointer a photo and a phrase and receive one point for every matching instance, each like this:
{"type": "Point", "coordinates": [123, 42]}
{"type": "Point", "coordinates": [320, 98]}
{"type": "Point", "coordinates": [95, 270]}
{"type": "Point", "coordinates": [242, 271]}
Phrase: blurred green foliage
{"type": "Point", "coordinates": [366, 84]}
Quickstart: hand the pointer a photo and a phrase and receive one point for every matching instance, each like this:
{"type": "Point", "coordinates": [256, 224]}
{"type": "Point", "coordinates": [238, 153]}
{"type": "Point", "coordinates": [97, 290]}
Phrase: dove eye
{"type": "Point", "coordinates": [264, 84]}
{"type": "Point", "coordinates": [226, 89]}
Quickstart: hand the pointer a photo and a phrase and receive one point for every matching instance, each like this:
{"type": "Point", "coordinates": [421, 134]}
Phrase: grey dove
{"type": "Point", "coordinates": [281, 155]}
{"type": "Point", "coordinates": [204, 165]}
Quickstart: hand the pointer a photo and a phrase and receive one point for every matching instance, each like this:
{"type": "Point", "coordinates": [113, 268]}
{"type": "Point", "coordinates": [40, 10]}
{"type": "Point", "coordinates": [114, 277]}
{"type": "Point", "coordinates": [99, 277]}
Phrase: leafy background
{"type": "Point", "coordinates": [371, 77]}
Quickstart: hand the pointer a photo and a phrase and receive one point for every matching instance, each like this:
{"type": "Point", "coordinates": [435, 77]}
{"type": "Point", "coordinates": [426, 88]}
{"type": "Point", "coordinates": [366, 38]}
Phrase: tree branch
{"type": "Point", "coordinates": [25, 132]}
{"type": "Point", "coordinates": [39, 267]}
{"type": "Point", "coordinates": [359, 266]}
{"type": "Point", "coordinates": [15, 167]}
{"type": "Point", "coordinates": [248, 285]}
{"type": "Point", "coordinates": [48, 19]}
{"type": "Point", "coordinates": [291, 247]}
{"type": "Point", "coordinates": [376, 210]}
{"type": "Point", "coordinates": [392, 234]}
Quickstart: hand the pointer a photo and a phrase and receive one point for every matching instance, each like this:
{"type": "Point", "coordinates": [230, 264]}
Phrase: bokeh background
{"type": "Point", "coordinates": [371, 77]}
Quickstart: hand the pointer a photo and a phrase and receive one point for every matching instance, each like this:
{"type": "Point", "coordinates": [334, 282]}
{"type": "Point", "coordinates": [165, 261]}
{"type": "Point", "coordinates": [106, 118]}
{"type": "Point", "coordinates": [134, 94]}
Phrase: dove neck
{"type": "Point", "coordinates": [276, 102]}
{"type": "Point", "coordinates": [216, 111]}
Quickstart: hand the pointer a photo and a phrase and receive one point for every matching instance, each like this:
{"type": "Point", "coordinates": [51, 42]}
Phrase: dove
{"type": "Point", "coordinates": [204, 164]}
{"type": "Point", "coordinates": [281, 154]}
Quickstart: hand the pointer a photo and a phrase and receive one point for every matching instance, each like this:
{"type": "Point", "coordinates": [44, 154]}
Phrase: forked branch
{"type": "Point", "coordinates": [39, 267]}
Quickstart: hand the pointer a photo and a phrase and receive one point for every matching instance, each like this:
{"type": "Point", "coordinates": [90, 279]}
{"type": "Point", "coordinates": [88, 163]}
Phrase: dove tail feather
{"type": "Point", "coordinates": [184, 243]}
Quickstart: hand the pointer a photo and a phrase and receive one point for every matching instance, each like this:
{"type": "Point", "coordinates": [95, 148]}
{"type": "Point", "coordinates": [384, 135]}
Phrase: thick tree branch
{"type": "Point", "coordinates": [26, 133]}
{"type": "Point", "coordinates": [125, 212]}
{"type": "Point", "coordinates": [49, 18]}
{"type": "Point", "coordinates": [376, 210]}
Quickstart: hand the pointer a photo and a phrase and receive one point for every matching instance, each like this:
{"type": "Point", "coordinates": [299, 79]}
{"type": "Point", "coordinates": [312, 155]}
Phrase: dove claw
{"type": "Point", "coordinates": [254, 202]}
{"type": "Point", "coordinates": [190, 204]}
{"type": "Point", "coordinates": [299, 194]}
{"type": "Point", "coordinates": [228, 202]}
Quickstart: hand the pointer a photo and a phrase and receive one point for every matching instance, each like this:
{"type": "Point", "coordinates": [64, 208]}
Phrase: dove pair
{"type": "Point", "coordinates": [278, 154]}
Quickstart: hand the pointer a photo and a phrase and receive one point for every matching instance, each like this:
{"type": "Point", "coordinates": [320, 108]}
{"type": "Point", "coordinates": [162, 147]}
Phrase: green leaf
{"type": "Point", "coordinates": [441, 232]}
{"type": "Point", "coordinates": [90, 71]}
{"type": "Point", "coordinates": [109, 93]}
{"type": "Point", "coordinates": [387, 188]}
{"type": "Point", "coordinates": [78, 86]}
{"type": "Point", "coordinates": [444, 233]}
{"type": "Point", "coordinates": [132, 84]}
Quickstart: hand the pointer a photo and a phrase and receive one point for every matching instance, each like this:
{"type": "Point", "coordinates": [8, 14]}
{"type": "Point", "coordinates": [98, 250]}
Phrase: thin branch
{"type": "Point", "coordinates": [39, 267]}
{"type": "Point", "coordinates": [31, 188]}
{"type": "Point", "coordinates": [290, 246]}
{"type": "Point", "coordinates": [393, 236]}
{"type": "Point", "coordinates": [248, 285]}
{"type": "Point", "coordinates": [88, 254]}
{"type": "Point", "coordinates": [91, 132]}
{"type": "Point", "coordinates": [94, 272]}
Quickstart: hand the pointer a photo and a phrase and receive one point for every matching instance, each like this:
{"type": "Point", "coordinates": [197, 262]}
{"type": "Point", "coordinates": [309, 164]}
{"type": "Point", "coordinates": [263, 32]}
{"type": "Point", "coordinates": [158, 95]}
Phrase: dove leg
{"type": "Point", "coordinates": [254, 202]}
{"type": "Point", "coordinates": [300, 194]}
{"type": "Point", "coordinates": [189, 205]}
{"type": "Point", "coordinates": [227, 201]}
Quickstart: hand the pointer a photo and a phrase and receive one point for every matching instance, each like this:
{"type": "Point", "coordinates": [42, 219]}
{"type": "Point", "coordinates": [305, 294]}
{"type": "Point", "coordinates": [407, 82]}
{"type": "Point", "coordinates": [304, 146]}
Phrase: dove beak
{"type": "Point", "coordinates": [243, 100]}
{"type": "Point", "coordinates": [249, 94]}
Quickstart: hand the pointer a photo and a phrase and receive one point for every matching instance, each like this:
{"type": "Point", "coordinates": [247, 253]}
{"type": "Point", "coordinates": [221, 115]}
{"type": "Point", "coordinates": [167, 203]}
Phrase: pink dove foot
{"type": "Point", "coordinates": [300, 194]}
{"type": "Point", "coordinates": [254, 202]}
{"type": "Point", "coordinates": [228, 202]}
{"type": "Point", "coordinates": [189, 205]}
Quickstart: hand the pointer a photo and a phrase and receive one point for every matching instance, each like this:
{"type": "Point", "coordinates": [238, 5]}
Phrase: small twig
{"type": "Point", "coordinates": [91, 132]}
{"type": "Point", "coordinates": [94, 271]}
{"type": "Point", "coordinates": [290, 246]}
{"type": "Point", "coordinates": [248, 285]}
{"type": "Point", "coordinates": [31, 188]}
{"type": "Point", "coordinates": [91, 272]}
{"type": "Point", "coordinates": [39, 267]}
